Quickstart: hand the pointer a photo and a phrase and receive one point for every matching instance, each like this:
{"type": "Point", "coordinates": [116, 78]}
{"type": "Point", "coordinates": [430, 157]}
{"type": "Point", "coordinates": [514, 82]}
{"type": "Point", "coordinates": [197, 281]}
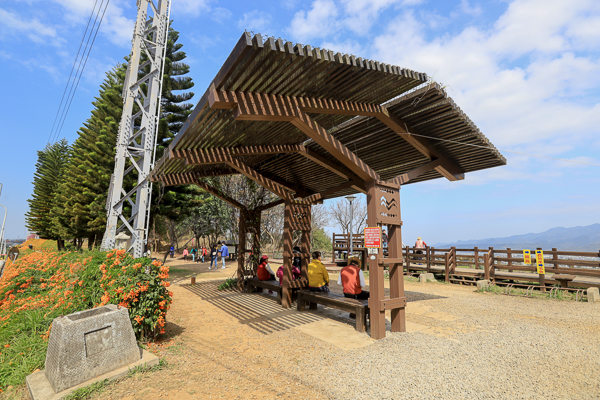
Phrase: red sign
{"type": "Point", "coordinates": [373, 237]}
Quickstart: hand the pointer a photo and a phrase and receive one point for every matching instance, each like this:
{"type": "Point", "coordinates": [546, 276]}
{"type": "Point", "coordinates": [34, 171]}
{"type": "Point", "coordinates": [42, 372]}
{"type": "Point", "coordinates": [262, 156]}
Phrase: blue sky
{"type": "Point", "coordinates": [527, 72]}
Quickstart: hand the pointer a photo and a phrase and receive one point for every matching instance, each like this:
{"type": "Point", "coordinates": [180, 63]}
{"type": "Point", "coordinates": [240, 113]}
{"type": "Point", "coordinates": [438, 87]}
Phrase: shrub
{"type": "Point", "coordinates": [44, 284]}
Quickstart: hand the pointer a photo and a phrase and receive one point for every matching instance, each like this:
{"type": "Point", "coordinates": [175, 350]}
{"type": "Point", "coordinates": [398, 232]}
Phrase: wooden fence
{"type": "Point", "coordinates": [568, 268]}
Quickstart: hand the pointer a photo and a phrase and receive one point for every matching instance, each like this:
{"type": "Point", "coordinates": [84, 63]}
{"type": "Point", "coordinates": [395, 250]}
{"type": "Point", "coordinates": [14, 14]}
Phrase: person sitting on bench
{"type": "Point", "coordinates": [295, 274]}
{"type": "Point", "coordinates": [318, 278]}
{"type": "Point", "coordinates": [353, 280]}
{"type": "Point", "coordinates": [264, 272]}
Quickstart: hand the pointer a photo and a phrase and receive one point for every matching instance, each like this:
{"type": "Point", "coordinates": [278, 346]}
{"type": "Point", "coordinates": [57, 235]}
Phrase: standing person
{"type": "Point", "coordinates": [318, 278]}
{"type": "Point", "coordinates": [224, 253]}
{"type": "Point", "coordinates": [172, 251]}
{"type": "Point", "coordinates": [194, 252]}
{"type": "Point", "coordinates": [185, 254]}
{"type": "Point", "coordinates": [204, 252]}
{"type": "Point", "coordinates": [264, 271]}
{"type": "Point", "coordinates": [213, 256]}
{"type": "Point", "coordinates": [352, 280]}
{"type": "Point", "coordinates": [419, 244]}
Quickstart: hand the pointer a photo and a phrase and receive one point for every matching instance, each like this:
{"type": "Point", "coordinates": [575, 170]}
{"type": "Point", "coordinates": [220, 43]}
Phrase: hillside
{"type": "Point", "coordinates": [579, 238]}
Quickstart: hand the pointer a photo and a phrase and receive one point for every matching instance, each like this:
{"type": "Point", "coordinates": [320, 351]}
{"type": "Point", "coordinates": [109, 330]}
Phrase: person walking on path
{"type": "Point", "coordinates": [213, 256]}
{"type": "Point", "coordinates": [224, 253]}
{"type": "Point", "coordinates": [185, 254]}
{"type": "Point", "coordinates": [194, 252]}
{"type": "Point", "coordinates": [318, 278]}
{"type": "Point", "coordinates": [172, 251]}
{"type": "Point", "coordinates": [204, 252]}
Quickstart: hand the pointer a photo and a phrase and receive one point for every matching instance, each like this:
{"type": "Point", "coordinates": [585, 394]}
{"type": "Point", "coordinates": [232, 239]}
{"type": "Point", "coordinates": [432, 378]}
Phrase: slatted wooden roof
{"type": "Point", "coordinates": [303, 121]}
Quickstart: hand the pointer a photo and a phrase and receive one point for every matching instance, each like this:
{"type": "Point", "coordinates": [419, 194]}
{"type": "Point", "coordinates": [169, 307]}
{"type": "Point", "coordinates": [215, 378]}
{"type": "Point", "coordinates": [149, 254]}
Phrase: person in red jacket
{"type": "Point", "coordinates": [264, 271]}
{"type": "Point", "coordinates": [295, 274]}
{"type": "Point", "coordinates": [352, 280]}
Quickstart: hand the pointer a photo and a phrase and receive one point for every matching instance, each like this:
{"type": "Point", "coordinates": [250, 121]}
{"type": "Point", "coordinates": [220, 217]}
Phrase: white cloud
{"type": "Point", "coordinates": [14, 25]}
{"type": "Point", "coordinates": [466, 8]}
{"type": "Point", "coordinates": [255, 21]}
{"type": "Point", "coordinates": [319, 21]}
{"type": "Point", "coordinates": [190, 8]}
{"type": "Point", "coordinates": [536, 101]}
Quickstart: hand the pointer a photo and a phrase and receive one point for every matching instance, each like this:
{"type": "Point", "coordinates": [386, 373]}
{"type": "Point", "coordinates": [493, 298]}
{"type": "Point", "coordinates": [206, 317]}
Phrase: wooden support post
{"type": "Point", "coordinates": [376, 288]}
{"type": "Point", "coordinates": [241, 250]}
{"type": "Point", "coordinates": [407, 260]}
{"type": "Point", "coordinates": [541, 278]}
{"type": "Point", "coordinates": [286, 292]}
{"type": "Point", "coordinates": [333, 248]}
{"type": "Point", "coordinates": [396, 277]}
{"type": "Point", "coordinates": [447, 266]}
{"type": "Point", "coordinates": [491, 261]}
{"type": "Point", "coordinates": [476, 254]}
{"type": "Point", "coordinates": [486, 266]}
{"type": "Point", "coordinates": [509, 255]}
{"type": "Point", "coordinates": [306, 256]}
{"type": "Point", "coordinates": [428, 256]}
{"type": "Point", "coordinates": [555, 258]}
{"type": "Point", "coordinates": [256, 239]}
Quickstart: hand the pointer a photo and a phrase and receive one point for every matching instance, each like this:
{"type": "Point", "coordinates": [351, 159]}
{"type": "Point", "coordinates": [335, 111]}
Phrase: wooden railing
{"type": "Point", "coordinates": [491, 262]}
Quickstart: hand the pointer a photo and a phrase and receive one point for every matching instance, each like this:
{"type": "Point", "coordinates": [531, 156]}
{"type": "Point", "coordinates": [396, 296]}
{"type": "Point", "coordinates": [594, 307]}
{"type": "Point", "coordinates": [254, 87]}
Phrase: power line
{"type": "Point", "coordinates": [71, 73]}
{"type": "Point", "coordinates": [84, 63]}
{"type": "Point", "coordinates": [72, 84]}
{"type": "Point", "coordinates": [505, 151]}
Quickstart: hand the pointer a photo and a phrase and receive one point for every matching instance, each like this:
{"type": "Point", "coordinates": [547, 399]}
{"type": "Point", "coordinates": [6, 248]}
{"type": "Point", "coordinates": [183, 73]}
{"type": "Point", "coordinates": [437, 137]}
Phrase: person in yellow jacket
{"type": "Point", "coordinates": [318, 278]}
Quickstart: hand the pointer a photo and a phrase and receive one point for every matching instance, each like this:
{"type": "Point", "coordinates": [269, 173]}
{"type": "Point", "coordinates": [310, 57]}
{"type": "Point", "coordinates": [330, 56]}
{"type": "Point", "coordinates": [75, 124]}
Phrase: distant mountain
{"type": "Point", "coordinates": [579, 238]}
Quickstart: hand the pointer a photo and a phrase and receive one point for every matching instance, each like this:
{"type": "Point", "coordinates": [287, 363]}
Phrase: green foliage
{"type": "Point", "coordinates": [41, 286]}
{"type": "Point", "coordinates": [320, 240]}
{"type": "Point", "coordinates": [229, 283]}
{"type": "Point", "coordinates": [50, 169]}
{"type": "Point", "coordinates": [79, 209]}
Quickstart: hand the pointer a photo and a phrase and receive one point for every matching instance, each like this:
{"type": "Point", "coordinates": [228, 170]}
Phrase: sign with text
{"type": "Point", "coordinates": [372, 237]}
{"type": "Point", "coordinates": [527, 256]}
{"type": "Point", "coordinates": [539, 261]}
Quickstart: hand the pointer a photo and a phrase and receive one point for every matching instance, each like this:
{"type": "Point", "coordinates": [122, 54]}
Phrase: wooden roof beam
{"type": "Point", "coordinates": [412, 174]}
{"type": "Point", "coordinates": [279, 190]}
{"type": "Point", "coordinates": [319, 197]}
{"type": "Point", "coordinates": [238, 151]}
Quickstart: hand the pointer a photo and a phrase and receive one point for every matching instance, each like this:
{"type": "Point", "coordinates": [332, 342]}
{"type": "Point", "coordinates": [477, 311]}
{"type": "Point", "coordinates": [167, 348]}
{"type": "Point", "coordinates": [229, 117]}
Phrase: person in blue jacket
{"type": "Point", "coordinates": [224, 253]}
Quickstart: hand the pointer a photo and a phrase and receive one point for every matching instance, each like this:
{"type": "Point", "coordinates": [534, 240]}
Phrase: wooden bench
{"type": "Point", "coordinates": [273, 285]}
{"type": "Point", "coordinates": [358, 307]}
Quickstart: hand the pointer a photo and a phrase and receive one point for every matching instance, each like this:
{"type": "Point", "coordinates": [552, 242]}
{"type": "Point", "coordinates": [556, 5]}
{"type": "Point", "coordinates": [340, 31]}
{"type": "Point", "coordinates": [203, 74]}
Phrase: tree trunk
{"type": "Point", "coordinates": [91, 238]}
{"type": "Point", "coordinates": [60, 244]}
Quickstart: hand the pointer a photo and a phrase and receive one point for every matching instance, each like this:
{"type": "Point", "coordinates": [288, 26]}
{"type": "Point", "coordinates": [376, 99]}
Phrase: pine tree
{"type": "Point", "coordinates": [85, 188]}
{"type": "Point", "coordinates": [50, 169]}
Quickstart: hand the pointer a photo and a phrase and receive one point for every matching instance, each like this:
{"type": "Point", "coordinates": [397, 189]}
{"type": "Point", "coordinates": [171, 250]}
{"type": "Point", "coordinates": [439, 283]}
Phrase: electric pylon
{"type": "Point", "coordinates": [129, 210]}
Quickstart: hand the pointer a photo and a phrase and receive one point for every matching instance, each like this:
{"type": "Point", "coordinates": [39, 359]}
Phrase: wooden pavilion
{"type": "Point", "coordinates": [309, 124]}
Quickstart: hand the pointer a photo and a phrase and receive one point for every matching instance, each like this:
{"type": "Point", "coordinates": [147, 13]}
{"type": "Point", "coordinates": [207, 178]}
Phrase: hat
{"type": "Point", "coordinates": [265, 257]}
{"type": "Point", "coordinates": [296, 250]}
{"type": "Point", "coordinates": [419, 238]}
{"type": "Point", "coordinates": [354, 261]}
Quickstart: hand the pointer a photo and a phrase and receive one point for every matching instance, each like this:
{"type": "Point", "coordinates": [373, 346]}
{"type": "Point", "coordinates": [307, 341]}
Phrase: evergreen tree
{"type": "Point", "coordinates": [50, 168]}
{"type": "Point", "coordinates": [85, 188]}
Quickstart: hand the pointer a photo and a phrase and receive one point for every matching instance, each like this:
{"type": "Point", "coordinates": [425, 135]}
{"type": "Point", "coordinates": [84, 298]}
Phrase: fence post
{"type": "Point", "coordinates": [509, 255]}
{"type": "Point", "coordinates": [407, 260]}
{"type": "Point", "coordinates": [427, 255]}
{"type": "Point", "coordinates": [486, 266]}
{"type": "Point", "coordinates": [333, 249]}
{"type": "Point", "coordinates": [555, 257]}
{"type": "Point", "coordinates": [492, 272]}
{"type": "Point", "coordinates": [447, 265]}
{"type": "Point", "coordinates": [476, 253]}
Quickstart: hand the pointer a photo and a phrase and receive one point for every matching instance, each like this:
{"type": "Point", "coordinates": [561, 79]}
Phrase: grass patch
{"type": "Point", "coordinates": [549, 294]}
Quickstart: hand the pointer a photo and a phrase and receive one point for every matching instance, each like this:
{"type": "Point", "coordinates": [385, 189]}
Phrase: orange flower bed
{"type": "Point", "coordinates": [42, 285]}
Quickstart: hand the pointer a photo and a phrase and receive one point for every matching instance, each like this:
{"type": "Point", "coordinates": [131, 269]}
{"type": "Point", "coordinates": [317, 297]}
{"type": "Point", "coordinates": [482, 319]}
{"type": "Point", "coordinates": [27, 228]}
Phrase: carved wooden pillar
{"type": "Point", "coordinates": [383, 207]}
{"type": "Point", "coordinates": [286, 292]}
{"type": "Point", "coordinates": [241, 250]}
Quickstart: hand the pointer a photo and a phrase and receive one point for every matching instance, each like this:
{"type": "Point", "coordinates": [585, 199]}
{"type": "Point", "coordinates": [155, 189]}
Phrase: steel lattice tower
{"type": "Point", "coordinates": [129, 210]}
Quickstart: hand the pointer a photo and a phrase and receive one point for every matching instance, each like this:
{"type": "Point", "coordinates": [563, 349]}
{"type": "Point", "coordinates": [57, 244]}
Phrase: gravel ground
{"type": "Point", "coordinates": [484, 346]}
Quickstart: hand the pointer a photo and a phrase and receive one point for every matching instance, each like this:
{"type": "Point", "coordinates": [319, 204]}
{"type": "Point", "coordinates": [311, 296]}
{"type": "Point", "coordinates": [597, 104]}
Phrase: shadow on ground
{"type": "Point", "coordinates": [262, 313]}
